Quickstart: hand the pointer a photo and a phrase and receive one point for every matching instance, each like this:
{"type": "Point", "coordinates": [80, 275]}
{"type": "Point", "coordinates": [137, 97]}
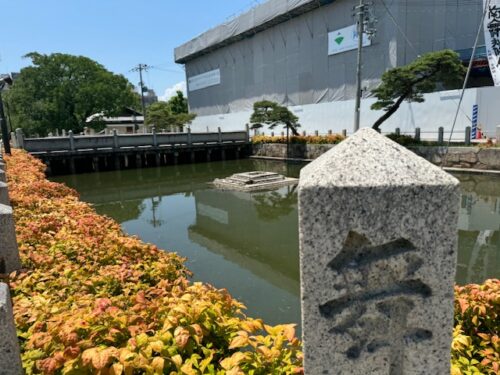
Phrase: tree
{"type": "Point", "coordinates": [60, 91]}
{"type": "Point", "coordinates": [410, 82]}
{"type": "Point", "coordinates": [272, 114]}
{"type": "Point", "coordinates": [169, 115]}
{"type": "Point", "coordinates": [269, 113]}
{"type": "Point", "coordinates": [178, 103]}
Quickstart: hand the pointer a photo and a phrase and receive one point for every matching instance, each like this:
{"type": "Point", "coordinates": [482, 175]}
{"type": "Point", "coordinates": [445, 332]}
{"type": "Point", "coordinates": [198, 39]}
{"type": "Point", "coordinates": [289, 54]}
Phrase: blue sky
{"type": "Point", "coordinates": [117, 33]}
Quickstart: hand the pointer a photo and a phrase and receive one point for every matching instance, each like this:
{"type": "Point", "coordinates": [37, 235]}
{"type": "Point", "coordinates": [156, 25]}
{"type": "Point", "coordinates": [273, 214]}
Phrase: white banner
{"type": "Point", "coordinates": [345, 39]}
{"type": "Point", "coordinates": [492, 37]}
{"type": "Point", "coordinates": [201, 81]}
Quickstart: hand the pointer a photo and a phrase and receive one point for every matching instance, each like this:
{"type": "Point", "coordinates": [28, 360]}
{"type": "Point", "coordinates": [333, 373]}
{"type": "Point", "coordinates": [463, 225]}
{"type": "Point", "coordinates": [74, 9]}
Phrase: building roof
{"type": "Point", "coordinates": [259, 18]}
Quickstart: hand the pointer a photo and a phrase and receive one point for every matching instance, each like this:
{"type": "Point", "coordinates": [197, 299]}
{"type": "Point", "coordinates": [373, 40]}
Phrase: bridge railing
{"type": "Point", "coordinates": [72, 143]}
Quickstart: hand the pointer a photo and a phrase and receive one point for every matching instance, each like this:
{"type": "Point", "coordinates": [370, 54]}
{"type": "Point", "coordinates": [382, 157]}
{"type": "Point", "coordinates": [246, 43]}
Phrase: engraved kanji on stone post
{"type": "Point", "coordinates": [378, 243]}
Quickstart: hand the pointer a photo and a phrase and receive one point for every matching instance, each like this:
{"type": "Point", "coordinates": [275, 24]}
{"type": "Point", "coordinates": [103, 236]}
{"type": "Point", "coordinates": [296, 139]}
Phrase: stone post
{"type": "Point", "coordinates": [9, 253]}
{"type": "Point", "coordinates": [397, 131]}
{"type": "Point", "coordinates": [219, 135]}
{"type": "Point", "coordinates": [247, 129]}
{"type": "Point", "coordinates": [344, 133]}
{"type": "Point", "coordinates": [4, 194]}
{"type": "Point", "coordinates": [467, 135]}
{"type": "Point", "coordinates": [417, 134]}
{"type": "Point", "coordinates": [10, 358]}
{"type": "Point", "coordinates": [189, 137]}
{"type": "Point", "coordinates": [71, 141]}
{"type": "Point", "coordinates": [13, 139]}
{"type": "Point", "coordinates": [440, 134]}
{"type": "Point", "coordinates": [378, 248]}
{"type": "Point", "coordinates": [20, 138]}
{"type": "Point", "coordinates": [3, 178]}
{"type": "Point", "coordinates": [64, 132]}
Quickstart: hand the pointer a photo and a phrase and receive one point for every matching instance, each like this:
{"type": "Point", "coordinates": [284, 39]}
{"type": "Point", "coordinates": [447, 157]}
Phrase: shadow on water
{"type": "Point", "coordinates": [248, 242]}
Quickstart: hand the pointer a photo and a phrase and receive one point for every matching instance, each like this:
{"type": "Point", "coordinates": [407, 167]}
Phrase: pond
{"type": "Point", "coordinates": [248, 242]}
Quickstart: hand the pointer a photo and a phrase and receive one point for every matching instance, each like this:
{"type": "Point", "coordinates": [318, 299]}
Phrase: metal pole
{"type": "Point", "coordinates": [5, 131]}
{"type": "Point", "coordinates": [142, 91]}
{"type": "Point", "coordinates": [357, 107]}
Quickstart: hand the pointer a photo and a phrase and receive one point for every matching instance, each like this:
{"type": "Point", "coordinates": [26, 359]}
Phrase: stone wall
{"type": "Point", "coordinates": [458, 157]}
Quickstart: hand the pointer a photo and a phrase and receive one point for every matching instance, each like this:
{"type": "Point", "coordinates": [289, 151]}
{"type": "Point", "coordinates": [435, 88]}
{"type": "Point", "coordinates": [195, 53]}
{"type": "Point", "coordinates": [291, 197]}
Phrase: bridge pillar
{"type": "Point", "coordinates": [126, 160]}
{"type": "Point", "coordinates": [237, 153]}
{"type": "Point", "coordinates": [176, 158]}
{"type": "Point", "coordinates": [71, 141]}
{"type": "Point", "coordinates": [209, 154]}
{"type": "Point", "coordinates": [157, 158]}
{"type": "Point", "coordinates": [138, 160]}
{"type": "Point", "coordinates": [222, 154]}
{"type": "Point", "coordinates": [193, 157]}
{"type": "Point", "coordinates": [95, 164]}
{"type": "Point", "coordinates": [72, 168]}
{"type": "Point", "coordinates": [116, 159]}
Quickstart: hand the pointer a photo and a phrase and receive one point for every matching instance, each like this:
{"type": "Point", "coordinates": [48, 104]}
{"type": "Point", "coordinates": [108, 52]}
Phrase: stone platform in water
{"type": "Point", "coordinates": [254, 181]}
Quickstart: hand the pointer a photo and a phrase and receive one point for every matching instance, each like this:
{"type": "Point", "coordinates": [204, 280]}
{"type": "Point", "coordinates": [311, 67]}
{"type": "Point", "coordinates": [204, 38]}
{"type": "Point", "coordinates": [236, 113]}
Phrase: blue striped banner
{"type": "Point", "coordinates": [475, 111]}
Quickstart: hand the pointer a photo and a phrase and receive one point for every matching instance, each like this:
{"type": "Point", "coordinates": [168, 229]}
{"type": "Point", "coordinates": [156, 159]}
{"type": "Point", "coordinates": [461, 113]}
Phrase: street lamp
{"type": "Point", "coordinates": [4, 80]}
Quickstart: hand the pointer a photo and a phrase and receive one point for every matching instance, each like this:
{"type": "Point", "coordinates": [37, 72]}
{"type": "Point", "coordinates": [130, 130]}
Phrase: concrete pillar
{"type": "Point", "coordinates": [20, 138]}
{"type": "Point", "coordinates": [155, 138]}
{"type": "Point", "coordinates": [247, 128]}
{"type": "Point", "coordinates": [4, 194]}
{"type": "Point", "coordinates": [209, 155]}
{"type": "Point", "coordinates": [344, 133]}
{"type": "Point", "coordinates": [316, 133]}
{"type": "Point", "coordinates": [116, 160]}
{"type": "Point", "coordinates": [116, 141]}
{"type": "Point", "coordinates": [397, 131]}
{"type": "Point", "coordinates": [9, 253]}
{"type": "Point", "coordinates": [220, 135]}
{"type": "Point", "coordinates": [440, 134]}
{"type": "Point", "coordinates": [176, 158]}
{"type": "Point", "coordinates": [223, 154]}
{"type": "Point", "coordinates": [64, 132]}
{"type": "Point", "coordinates": [467, 135]}
{"type": "Point", "coordinates": [378, 247]}
{"type": "Point", "coordinates": [3, 178]}
{"type": "Point", "coordinates": [237, 153]}
{"type": "Point", "coordinates": [189, 137]}
{"type": "Point", "coordinates": [71, 141]}
{"type": "Point", "coordinates": [10, 357]}
{"type": "Point", "coordinates": [138, 160]}
{"type": "Point", "coordinates": [193, 157]}
{"type": "Point", "coordinates": [157, 159]}
{"type": "Point", "coordinates": [417, 134]}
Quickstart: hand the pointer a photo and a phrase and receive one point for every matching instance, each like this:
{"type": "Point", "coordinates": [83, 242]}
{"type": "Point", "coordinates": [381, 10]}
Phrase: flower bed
{"type": "Point", "coordinates": [94, 300]}
{"type": "Point", "coordinates": [300, 139]}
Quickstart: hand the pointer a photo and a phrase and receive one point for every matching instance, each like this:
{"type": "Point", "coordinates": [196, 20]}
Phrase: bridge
{"type": "Point", "coordinates": [92, 153]}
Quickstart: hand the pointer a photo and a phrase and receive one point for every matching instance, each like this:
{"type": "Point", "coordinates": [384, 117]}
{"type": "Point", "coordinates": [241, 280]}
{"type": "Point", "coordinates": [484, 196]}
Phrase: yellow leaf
{"type": "Point", "coordinates": [158, 363]}
{"type": "Point", "coordinates": [116, 369]}
{"type": "Point", "coordinates": [177, 360]}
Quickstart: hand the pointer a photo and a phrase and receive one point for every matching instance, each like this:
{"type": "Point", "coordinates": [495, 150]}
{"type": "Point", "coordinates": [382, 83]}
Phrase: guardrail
{"type": "Point", "coordinates": [73, 143]}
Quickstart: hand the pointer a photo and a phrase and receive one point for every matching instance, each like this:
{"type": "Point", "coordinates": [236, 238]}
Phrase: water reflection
{"type": "Point", "coordinates": [248, 242]}
{"type": "Point", "coordinates": [479, 229]}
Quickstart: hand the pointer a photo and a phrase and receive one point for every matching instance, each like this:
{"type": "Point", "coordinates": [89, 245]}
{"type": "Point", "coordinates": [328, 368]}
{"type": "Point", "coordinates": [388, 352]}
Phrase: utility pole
{"type": "Point", "coordinates": [139, 68]}
{"type": "Point", "coordinates": [365, 25]}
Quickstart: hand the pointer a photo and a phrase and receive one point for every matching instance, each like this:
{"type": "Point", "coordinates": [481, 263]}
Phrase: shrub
{"type": "Point", "coordinates": [301, 139]}
{"type": "Point", "coordinates": [91, 299]}
{"type": "Point", "coordinates": [476, 342]}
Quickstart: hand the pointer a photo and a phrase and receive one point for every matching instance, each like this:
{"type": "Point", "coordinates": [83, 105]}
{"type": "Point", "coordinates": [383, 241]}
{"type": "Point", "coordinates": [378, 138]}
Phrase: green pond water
{"type": "Point", "coordinates": [248, 242]}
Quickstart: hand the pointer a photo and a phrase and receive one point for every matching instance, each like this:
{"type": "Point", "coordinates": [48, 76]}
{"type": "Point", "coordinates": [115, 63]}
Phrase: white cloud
{"type": "Point", "coordinates": [170, 91]}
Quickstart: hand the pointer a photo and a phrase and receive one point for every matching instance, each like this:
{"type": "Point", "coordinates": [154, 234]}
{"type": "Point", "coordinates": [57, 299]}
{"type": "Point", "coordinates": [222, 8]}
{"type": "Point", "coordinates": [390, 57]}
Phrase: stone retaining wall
{"type": "Point", "coordinates": [458, 157]}
{"type": "Point", "coordinates": [10, 359]}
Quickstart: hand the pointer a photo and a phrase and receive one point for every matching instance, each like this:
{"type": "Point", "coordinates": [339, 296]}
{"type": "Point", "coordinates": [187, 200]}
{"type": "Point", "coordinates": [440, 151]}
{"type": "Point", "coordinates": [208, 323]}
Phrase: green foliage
{"type": "Point", "coordinates": [271, 114]}
{"type": "Point", "coordinates": [476, 342]}
{"type": "Point", "coordinates": [59, 91]}
{"type": "Point", "coordinates": [421, 76]}
{"type": "Point", "coordinates": [170, 115]}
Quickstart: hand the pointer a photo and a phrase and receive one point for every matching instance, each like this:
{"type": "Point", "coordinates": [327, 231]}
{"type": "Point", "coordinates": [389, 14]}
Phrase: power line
{"type": "Point", "coordinates": [399, 27]}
